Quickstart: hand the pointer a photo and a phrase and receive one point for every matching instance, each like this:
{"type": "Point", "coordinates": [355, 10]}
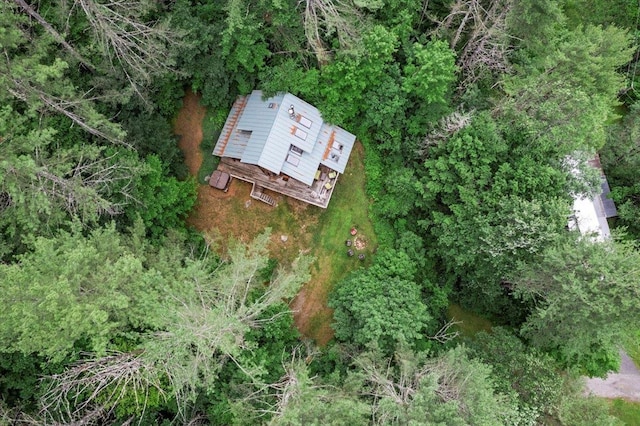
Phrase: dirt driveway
{"type": "Point", "coordinates": [625, 384]}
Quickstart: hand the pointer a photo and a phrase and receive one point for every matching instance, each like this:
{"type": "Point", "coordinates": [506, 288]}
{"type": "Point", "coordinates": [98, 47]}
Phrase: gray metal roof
{"type": "Point", "coordinates": [266, 129]}
{"type": "Point", "coordinates": [608, 204]}
{"type": "Point", "coordinates": [259, 118]}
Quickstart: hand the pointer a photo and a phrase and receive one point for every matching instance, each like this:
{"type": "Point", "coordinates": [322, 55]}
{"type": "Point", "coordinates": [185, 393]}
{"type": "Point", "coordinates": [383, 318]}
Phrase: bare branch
{"type": "Point", "coordinates": [446, 128]}
{"type": "Point", "coordinates": [327, 16]}
{"type": "Point", "coordinates": [478, 34]}
{"type": "Point", "coordinates": [54, 33]}
{"type": "Point", "coordinates": [89, 391]}
{"type": "Point", "coordinates": [444, 335]}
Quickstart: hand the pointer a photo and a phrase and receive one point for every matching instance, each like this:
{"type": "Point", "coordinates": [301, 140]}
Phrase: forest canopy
{"type": "Point", "coordinates": [478, 120]}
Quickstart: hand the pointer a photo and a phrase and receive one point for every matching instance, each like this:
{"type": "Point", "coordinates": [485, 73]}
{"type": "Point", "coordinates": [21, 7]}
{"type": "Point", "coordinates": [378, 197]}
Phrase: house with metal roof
{"type": "Point", "coordinates": [590, 214]}
{"type": "Point", "coordinates": [281, 144]}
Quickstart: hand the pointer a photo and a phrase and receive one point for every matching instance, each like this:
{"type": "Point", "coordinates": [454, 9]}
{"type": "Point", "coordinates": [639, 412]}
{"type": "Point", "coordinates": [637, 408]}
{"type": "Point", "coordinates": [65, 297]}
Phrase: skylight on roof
{"type": "Point", "coordinates": [300, 133]}
{"type": "Point", "coordinates": [305, 122]}
{"type": "Point", "coordinates": [293, 160]}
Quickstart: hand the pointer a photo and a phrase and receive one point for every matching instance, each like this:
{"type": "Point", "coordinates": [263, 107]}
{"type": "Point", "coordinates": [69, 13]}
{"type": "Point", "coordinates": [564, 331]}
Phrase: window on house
{"type": "Point", "coordinates": [305, 122]}
{"type": "Point", "coordinates": [295, 150]}
{"type": "Point", "coordinates": [301, 134]}
{"type": "Point", "coordinates": [294, 160]}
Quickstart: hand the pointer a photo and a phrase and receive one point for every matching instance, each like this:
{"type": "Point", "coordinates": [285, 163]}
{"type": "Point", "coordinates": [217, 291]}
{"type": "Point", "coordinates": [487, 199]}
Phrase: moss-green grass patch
{"type": "Point", "coordinates": [628, 412]}
{"type": "Point", "coordinates": [210, 134]}
{"type": "Point", "coordinates": [470, 322]}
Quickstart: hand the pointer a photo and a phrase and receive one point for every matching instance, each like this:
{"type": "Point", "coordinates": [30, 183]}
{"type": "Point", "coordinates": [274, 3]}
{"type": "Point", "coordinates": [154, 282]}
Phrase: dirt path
{"type": "Point", "coordinates": [188, 125]}
{"type": "Point", "coordinates": [625, 384]}
{"type": "Point", "coordinates": [311, 314]}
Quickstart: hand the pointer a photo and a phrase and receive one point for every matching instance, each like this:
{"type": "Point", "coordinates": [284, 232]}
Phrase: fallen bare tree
{"type": "Point", "coordinates": [324, 17]}
{"type": "Point", "coordinates": [477, 31]}
{"type": "Point", "coordinates": [206, 330]}
{"type": "Point", "coordinates": [89, 391]}
{"type": "Point", "coordinates": [54, 33]}
{"type": "Point", "coordinates": [139, 47]}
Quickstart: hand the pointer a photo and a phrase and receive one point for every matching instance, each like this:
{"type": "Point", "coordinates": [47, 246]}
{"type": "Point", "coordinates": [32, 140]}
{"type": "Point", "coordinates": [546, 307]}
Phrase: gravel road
{"type": "Point", "coordinates": [625, 384]}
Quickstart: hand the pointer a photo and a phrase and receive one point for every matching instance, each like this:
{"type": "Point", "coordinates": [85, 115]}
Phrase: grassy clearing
{"type": "Point", "coordinates": [223, 216]}
{"type": "Point", "coordinates": [628, 412]}
{"type": "Point", "coordinates": [348, 208]}
{"type": "Point", "coordinates": [471, 322]}
{"type": "Point", "coordinates": [210, 132]}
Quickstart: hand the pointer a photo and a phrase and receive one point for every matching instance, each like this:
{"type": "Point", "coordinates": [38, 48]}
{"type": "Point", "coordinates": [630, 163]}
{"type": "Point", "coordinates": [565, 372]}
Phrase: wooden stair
{"type": "Point", "coordinates": [256, 192]}
{"type": "Point", "coordinates": [229, 125]}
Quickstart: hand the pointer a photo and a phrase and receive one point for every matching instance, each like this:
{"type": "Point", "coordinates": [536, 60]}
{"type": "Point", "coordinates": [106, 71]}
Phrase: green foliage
{"type": "Point", "coordinates": [586, 295]}
{"type": "Point", "coordinates": [152, 135]}
{"type": "Point", "coordinates": [430, 72]}
{"type": "Point", "coordinates": [586, 411]}
{"type": "Point", "coordinates": [621, 161]}
{"type": "Point", "coordinates": [487, 203]}
{"type": "Point", "coordinates": [161, 201]}
{"type": "Point", "coordinates": [345, 82]}
{"type": "Point", "coordinates": [381, 305]}
{"type": "Point", "coordinates": [73, 289]}
{"type": "Point", "coordinates": [460, 213]}
{"type": "Point", "coordinates": [310, 404]}
{"type": "Point", "coordinates": [533, 376]}
{"type": "Point", "coordinates": [622, 13]}
{"type": "Point", "coordinates": [243, 44]}
{"type": "Point", "coordinates": [627, 412]}
{"type": "Point", "coordinates": [450, 389]}
{"type": "Point", "coordinates": [565, 97]}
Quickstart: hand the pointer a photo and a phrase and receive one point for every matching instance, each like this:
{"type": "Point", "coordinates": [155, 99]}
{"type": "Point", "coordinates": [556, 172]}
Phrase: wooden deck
{"type": "Point", "coordinates": [317, 194]}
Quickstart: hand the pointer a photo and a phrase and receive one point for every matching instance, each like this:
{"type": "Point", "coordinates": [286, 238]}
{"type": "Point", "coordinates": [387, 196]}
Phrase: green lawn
{"type": "Point", "coordinates": [471, 323]}
{"type": "Point", "coordinates": [210, 132]}
{"type": "Point", "coordinates": [628, 412]}
{"type": "Point", "coordinates": [348, 208]}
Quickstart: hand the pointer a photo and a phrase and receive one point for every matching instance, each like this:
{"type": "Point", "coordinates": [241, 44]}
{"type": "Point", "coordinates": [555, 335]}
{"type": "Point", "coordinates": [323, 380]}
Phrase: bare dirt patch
{"type": "Point", "coordinates": [310, 311]}
{"type": "Point", "coordinates": [188, 126]}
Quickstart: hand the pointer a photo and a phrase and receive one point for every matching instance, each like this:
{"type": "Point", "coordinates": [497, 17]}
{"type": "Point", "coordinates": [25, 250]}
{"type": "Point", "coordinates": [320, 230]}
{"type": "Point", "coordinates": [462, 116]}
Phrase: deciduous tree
{"type": "Point", "coordinates": [585, 295]}
{"type": "Point", "coordinates": [381, 305]}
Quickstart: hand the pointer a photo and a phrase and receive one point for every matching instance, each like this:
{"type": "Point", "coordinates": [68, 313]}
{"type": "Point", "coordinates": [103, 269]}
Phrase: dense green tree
{"type": "Point", "coordinates": [564, 98]}
{"type": "Point", "coordinates": [586, 296]}
{"type": "Point", "coordinates": [381, 305]}
{"type": "Point", "coordinates": [487, 202]}
{"type": "Point", "coordinates": [621, 162]}
{"type": "Point", "coordinates": [532, 375]}
{"type": "Point", "coordinates": [160, 200]}
{"type": "Point", "coordinates": [430, 72]}
{"type": "Point", "coordinates": [75, 293]}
